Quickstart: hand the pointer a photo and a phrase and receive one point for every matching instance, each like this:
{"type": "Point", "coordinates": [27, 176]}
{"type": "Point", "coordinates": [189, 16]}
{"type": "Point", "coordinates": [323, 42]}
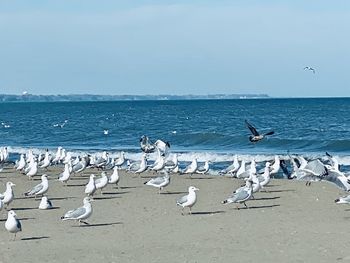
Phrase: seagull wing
{"type": "Point", "coordinates": [34, 190]}
{"type": "Point", "coordinates": [182, 200]}
{"type": "Point", "coordinates": [18, 224]}
{"type": "Point", "coordinates": [74, 214]}
{"type": "Point", "coordinates": [252, 128]}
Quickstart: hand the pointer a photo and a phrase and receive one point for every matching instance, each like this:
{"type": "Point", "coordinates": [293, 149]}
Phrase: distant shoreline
{"type": "Point", "coordinates": [90, 97]}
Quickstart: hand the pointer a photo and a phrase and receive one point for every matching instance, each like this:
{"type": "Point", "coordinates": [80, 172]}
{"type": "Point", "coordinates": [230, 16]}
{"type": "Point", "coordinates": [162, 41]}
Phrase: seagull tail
{"type": "Point", "coordinates": [224, 202]}
{"type": "Point", "coordinates": [337, 200]}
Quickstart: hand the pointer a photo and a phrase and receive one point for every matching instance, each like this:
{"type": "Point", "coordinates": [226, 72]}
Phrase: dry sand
{"type": "Point", "coordinates": [290, 223]}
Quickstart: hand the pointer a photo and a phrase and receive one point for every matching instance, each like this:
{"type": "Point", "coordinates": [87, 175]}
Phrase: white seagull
{"type": "Point", "coordinates": [12, 224]}
{"type": "Point", "coordinates": [192, 167]}
{"type": "Point", "coordinates": [8, 196]}
{"type": "Point", "coordinates": [241, 196]}
{"type": "Point", "coordinates": [80, 213]}
{"type": "Point", "coordinates": [160, 182]}
{"type": "Point", "coordinates": [64, 177]}
{"type": "Point", "coordinates": [101, 182]}
{"type": "Point", "coordinates": [45, 203]}
{"type": "Point", "coordinates": [188, 200]}
{"type": "Point", "coordinates": [114, 178]}
{"type": "Point", "coordinates": [39, 189]}
{"type": "Point", "coordinates": [90, 188]}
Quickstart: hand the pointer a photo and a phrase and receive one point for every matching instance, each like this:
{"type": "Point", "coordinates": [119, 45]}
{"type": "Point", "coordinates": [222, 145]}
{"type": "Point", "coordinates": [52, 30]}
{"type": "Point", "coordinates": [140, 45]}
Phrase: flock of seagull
{"type": "Point", "coordinates": [255, 175]}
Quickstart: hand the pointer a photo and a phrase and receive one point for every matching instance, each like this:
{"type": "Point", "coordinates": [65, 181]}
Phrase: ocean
{"type": "Point", "coordinates": [208, 129]}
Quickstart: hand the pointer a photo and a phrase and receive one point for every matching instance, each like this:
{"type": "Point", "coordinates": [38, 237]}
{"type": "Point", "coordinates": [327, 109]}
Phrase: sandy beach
{"type": "Point", "coordinates": [289, 223]}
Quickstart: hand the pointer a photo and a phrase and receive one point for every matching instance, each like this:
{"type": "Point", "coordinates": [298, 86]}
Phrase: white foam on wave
{"type": "Point", "coordinates": [213, 157]}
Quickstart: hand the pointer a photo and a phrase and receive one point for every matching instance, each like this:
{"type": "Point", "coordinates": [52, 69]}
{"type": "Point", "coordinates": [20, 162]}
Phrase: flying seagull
{"type": "Point", "coordinates": [256, 136]}
{"type": "Point", "coordinates": [310, 68]}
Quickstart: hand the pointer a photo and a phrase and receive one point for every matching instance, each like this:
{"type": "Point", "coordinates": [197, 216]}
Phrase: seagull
{"type": "Point", "coordinates": [101, 182]}
{"type": "Point", "coordinates": [160, 181]}
{"type": "Point", "coordinates": [80, 213]}
{"type": "Point", "coordinates": [203, 169]}
{"type": "Point", "coordinates": [106, 132]}
{"type": "Point", "coordinates": [45, 203]}
{"type": "Point", "coordinates": [143, 165]}
{"type": "Point", "coordinates": [241, 196]}
{"type": "Point", "coordinates": [233, 168]}
{"type": "Point", "coordinates": [192, 167]}
{"type": "Point", "coordinates": [39, 189]}
{"type": "Point", "coordinates": [188, 200]}
{"type": "Point", "coordinates": [90, 188]}
{"type": "Point", "coordinates": [33, 169]}
{"type": "Point", "coordinates": [12, 224]}
{"type": "Point", "coordinates": [81, 165]}
{"type": "Point", "coordinates": [242, 169]}
{"type": "Point", "coordinates": [121, 160]}
{"type": "Point", "coordinates": [162, 146]}
{"type": "Point", "coordinates": [334, 163]}
{"type": "Point", "coordinates": [310, 68]}
{"type": "Point", "coordinates": [343, 200]}
{"type": "Point", "coordinates": [64, 177]}
{"type": "Point", "coordinates": [8, 196]}
{"type": "Point", "coordinates": [21, 163]}
{"type": "Point", "coordinates": [46, 162]}
{"type": "Point", "coordinates": [172, 163]}
{"type": "Point", "coordinates": [146, 145]}
{"type": "Point", "coordinates": [275, 167]}
{"type": "Point", "coordinates": [114, 178]}
{"type": "Point", "coordinates": [265, 177]}
{"type": "Point", "coordinates": [256, 135]}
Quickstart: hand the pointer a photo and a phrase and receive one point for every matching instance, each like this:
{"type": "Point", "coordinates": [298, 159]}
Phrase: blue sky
{"type": "Point", "coordinates": [175, 47]}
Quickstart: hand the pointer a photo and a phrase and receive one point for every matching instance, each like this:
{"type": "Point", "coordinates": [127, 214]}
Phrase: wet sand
{"type": "Point", "coordinates": [289, 223]}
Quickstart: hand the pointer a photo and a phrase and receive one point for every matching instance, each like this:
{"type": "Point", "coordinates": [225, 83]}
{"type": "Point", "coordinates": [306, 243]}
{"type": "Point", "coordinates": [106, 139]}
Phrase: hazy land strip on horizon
{"type": "Point", "coordinates": [91, 97]}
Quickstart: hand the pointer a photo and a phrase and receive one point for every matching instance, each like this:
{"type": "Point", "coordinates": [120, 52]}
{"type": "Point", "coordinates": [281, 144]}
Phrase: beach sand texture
{"type": "Point", "coordinates": [289, 223]}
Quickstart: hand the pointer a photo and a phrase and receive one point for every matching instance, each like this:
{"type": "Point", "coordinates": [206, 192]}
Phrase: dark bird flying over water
{"type": "Point", "coordinates": [256, 135]}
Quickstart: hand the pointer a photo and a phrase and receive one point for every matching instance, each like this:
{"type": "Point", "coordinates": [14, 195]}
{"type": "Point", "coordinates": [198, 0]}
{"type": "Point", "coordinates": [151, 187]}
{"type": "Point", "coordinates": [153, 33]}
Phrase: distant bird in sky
{"type": "Point", "coordinates": [310, 68]}
{"type": "Point", "coordinates": [256, 135]}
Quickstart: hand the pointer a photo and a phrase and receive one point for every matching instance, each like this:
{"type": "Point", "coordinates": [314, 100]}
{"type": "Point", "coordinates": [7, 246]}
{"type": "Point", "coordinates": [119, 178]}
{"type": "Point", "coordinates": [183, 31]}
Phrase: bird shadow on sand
{"type": "Point", "coordinates": [78, 178]}
{"type": "Point", "coordinates": [105, 197]}
{"type": "Point", "coordinates": [257, 207]}
{"type": "Point", "coordinates": [99, 225]}
{"type": "Point", "coordinates": [27, 218]}
{"type": "Point", "coordinates": [199, 178]}
{"type": "Point", "coordinates": [277, 191]}
{"type": "Point", "coordinates": [24, 208]}
{"type": "Point", "coordinates": [173, 193]}
{"type": "Point", "coordinates": [75, 185]}
{"type": "Point", "coordinates": [115, 193]}
{"type": "Point", "coordinates": [266, 198]}
{"type": "Point", "coordinates": [34, 238]}
{"type": "Point", "coordinates": [149, 176]}
{"type": "Point", "coordinates": [127, 187]}
{"type": "Point", "coordinates": [63, 198]}
{"type": "Point", "coordinates": [53, 208]}
{"type": "Point", "coordinates": [208, 212]}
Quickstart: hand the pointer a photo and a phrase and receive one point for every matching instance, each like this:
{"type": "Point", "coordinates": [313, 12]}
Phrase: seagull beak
{"type": "Point", "coordinates": [196, 189]}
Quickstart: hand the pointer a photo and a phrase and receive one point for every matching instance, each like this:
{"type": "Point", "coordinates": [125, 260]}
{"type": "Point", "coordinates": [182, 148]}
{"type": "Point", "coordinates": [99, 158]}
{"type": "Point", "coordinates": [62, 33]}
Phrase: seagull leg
{"type": "Point", "coordinates": [190, 211]}
{"type": "Point", "coordinates": [245, 205]}
{"type": "Point", "coordinates": [182, 211]}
